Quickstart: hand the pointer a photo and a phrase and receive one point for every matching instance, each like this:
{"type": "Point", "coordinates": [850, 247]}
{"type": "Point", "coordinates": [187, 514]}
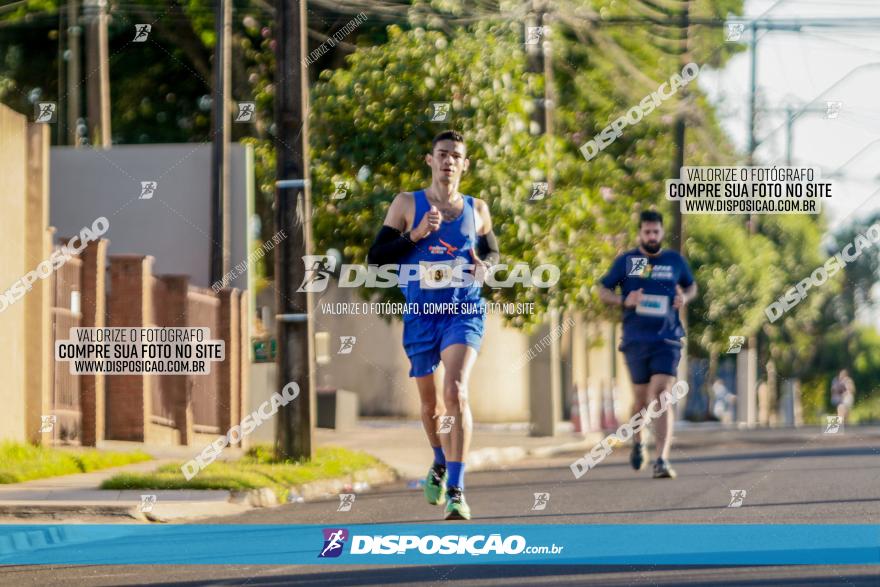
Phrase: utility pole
{"type": "Point", "coordinates": [221, 219]}
{"type": "Point", "coordinates": [98, 80]}
{"type": "Point", "coordinates": [747, 362]}
{"type": "Point", "coordinates": [753, 90]}
{"type": "Point", "coordinates": [678, 138]}
{"type": "Point", "coordinates": [293, 212]}
{"type": "Point", "coordinates": [545, 409]}
{"type": "Point", "coordinates": [678, 133]}
{"type": "Point", "coordinates": [74, 32]}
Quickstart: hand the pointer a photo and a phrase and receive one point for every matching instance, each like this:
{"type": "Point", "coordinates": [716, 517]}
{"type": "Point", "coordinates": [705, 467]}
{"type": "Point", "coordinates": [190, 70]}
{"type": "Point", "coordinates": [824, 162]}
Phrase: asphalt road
{"type": "Point", "coordinates": [803, 478]}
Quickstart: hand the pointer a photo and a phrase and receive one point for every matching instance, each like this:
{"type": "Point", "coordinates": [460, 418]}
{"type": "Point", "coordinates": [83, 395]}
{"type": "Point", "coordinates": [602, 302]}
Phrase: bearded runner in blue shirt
{"type": "Point", "coordinates": [443, 232]}
{"type": "Point", "coordinates": [655, 284]}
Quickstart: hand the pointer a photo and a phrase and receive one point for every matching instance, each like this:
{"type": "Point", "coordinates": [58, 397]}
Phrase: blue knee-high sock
{"type": "Point", "coordinates": [439, 457]}
{"type": "Point", "coordinates": [455, 474]}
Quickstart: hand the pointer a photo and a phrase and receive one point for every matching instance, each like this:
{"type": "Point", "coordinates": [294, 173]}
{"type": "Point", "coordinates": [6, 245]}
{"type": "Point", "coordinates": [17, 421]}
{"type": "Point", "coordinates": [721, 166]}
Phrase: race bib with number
{"type": "Point", "coordinates": [436, 275]}
{"type": "Point", "coordinates": [653, 305]}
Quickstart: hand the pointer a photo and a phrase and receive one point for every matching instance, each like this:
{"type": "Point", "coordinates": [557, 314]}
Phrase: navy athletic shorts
{"type": "Point", "coordinates": [644, 359]}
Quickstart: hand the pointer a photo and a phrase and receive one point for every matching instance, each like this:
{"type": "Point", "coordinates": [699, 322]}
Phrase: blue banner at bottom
{"type": "Point", "coordinates": [439, 544]}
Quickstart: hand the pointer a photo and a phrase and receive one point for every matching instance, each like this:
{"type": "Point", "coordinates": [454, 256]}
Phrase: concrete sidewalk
{"type": "Point", "coordinates": [80, 496]}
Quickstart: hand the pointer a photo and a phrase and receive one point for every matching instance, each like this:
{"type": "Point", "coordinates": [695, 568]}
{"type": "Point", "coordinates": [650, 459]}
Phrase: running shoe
{"type": "Point", "coordinates": [435, 485]}
{"type": "Point", "coordinates": [662, 470]}
{"type": "Point", "coordinates": [639, 456]}
{"type": "Point", "coordinates": [456, 507]}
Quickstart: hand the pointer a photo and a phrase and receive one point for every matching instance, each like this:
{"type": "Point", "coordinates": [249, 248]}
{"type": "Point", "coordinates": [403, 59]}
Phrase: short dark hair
{"type": "Point", "coordinates": [650, 216]}
{"type": "Point", "coordinates": [447, 135]}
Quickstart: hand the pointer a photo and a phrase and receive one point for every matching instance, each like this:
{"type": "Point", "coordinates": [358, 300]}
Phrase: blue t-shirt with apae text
{"type": "Point", "coordinates": [654, 319]}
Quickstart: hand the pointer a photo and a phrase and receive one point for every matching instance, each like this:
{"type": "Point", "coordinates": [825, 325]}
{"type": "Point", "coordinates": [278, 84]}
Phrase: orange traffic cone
{"type": "Point", "coordinates": [609, 419]}
{"type": "Point", "coordinates": [575, 411]}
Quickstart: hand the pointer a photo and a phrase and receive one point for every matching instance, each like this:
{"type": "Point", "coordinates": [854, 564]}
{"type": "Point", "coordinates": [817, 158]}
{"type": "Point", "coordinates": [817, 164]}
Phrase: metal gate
{"type": "Point", "coordinates": [66, 314]}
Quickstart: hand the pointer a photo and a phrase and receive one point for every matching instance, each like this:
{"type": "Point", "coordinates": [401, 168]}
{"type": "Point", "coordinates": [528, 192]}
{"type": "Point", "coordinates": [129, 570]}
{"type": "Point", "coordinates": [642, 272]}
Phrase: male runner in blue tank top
{"type": "Point", "coordinates": [654, 285]}
{"type": "Point", "coordinates": [439, 229]}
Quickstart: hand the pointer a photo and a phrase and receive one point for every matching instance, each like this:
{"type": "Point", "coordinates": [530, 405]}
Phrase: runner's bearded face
{"type": "Point", "coordinates": [651, 236]}
{"type": "Point", "coordinates": [448, 161]}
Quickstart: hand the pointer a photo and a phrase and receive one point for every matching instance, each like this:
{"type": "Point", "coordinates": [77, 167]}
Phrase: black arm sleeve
{"type": "Point", "coordinates": [389, 247]}
{"type": "Point", "coordinates": [487, 248]}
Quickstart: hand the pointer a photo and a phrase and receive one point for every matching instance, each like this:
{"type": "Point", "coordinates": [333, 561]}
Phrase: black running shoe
{"type": "Point", "coordinates": [662, 470]}
{"type": "Point", "coordinates": [639, 456]}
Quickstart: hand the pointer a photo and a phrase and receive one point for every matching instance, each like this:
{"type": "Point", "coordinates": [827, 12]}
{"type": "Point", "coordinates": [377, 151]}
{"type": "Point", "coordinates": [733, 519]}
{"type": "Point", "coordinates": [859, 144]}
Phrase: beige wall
{"type": "Point", "coordinates": [39, 359]}
{"type": "Point", "coordinates": [13, 192]}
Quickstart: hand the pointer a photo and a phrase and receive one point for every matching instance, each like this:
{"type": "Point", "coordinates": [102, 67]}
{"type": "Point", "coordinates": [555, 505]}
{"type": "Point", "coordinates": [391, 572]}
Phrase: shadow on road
{"type": "Point", "coordinates": [663, 510]}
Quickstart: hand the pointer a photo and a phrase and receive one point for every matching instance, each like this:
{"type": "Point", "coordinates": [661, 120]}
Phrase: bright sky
{"type": "Point", "coordinates": [797, 68]}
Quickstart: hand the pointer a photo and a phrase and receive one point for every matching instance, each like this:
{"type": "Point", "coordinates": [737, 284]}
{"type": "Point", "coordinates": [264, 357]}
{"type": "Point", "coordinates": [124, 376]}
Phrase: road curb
{"type": "Point", "coordinates": [241, 501]}
{"type": "Point", "coordinates": [29, 510]}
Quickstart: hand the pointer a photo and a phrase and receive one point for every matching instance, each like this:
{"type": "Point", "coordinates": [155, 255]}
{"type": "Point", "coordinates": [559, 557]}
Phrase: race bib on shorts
{"type": "Point", "coordinates": [653, 305]}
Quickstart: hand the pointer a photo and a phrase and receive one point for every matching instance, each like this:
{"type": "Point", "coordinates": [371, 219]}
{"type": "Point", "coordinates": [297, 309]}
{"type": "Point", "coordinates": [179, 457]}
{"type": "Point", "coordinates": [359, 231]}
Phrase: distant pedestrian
{"type": "Point", "coordinates": [843, 394]}
{"type": "Point", "coordinates": [722, 401]}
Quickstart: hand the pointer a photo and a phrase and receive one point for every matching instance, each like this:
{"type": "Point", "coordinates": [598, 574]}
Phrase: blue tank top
{"type": "Point", "coordinates": [443, 248]}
